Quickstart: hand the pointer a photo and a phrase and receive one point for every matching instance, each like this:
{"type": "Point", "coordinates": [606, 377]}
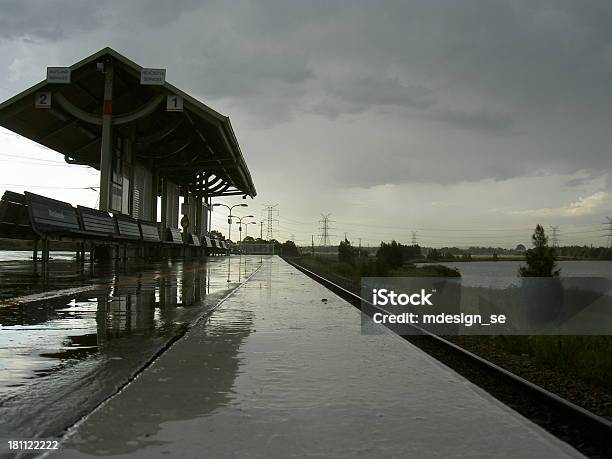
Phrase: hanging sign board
{"type": "Point", "coordinates": [153, 76]}
{"type": "Point", "coordinates": [174, 103]}
{"type": "Point", "coordinates": [58, 75]}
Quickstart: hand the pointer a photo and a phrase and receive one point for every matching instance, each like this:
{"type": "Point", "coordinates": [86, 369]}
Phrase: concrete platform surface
{"type": "Point", "coordinates": [276, 372]}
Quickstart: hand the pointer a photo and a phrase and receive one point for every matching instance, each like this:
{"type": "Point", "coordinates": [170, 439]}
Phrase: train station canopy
{"type": "Point", "coordinates": [172, 133]}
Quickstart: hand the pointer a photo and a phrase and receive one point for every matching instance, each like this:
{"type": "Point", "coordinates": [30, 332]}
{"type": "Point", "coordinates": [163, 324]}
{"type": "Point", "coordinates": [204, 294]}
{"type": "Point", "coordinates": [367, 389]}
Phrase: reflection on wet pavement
{"type": "Point", "coordinates": [275, 372]}
{"type": "Point", "coordinates": [74, 351]}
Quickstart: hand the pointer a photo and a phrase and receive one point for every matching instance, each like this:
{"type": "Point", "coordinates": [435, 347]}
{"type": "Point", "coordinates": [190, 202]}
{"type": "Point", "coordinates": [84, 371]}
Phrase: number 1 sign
{"type": "Point", "coordinates": [174, 103]}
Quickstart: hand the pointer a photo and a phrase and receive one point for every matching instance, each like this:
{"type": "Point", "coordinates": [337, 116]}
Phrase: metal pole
{"type": "Point", "coordinates": [209, 215]}
{"type": "Point", "coordinates": [106, 152]}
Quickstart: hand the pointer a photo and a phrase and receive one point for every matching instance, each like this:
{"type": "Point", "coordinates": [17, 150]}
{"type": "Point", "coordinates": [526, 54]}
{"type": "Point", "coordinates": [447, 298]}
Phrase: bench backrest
{"type": "Point", "coordinates": [207, 241]}
{"type": "Point", "coordinates": [126, 226]}
{"type": "Point", "coordinates": [13, 208]}
{"type": "Point", "coordinates": [50, 216]}
{"type": "Point", "coordinates": [17, 198]}
{"type": "Point", "coordinates": [195, 240]}
{"type": "Point", "coordinates": [149, 231]}
{"type": "Point", "coordinates": [96, 222]}
{"type": "Point", "coordinates": [174, 236]}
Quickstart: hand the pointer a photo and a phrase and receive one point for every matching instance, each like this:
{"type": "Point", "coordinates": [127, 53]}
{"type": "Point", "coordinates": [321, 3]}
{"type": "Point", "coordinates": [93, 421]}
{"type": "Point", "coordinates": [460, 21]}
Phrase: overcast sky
{"type": "Point", "coordinates": [466, 121]}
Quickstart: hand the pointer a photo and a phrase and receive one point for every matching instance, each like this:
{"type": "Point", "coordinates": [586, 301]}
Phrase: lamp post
{"type": "Point", "coordinates": [246, 227]}
{"type": "Point", "coordinates": [229, 217]}
{"type": "Point", "coordinates": [240, 224]}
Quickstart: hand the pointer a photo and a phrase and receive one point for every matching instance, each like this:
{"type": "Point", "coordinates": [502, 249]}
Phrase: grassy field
{"type": "Point", "coordinates": [585, 357]}
{"type": "Point", "coordinates": [349, 275]}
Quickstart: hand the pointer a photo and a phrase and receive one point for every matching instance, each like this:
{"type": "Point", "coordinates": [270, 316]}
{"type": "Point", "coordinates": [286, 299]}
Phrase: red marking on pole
{"type": "Point", "coordinates": [107, 109]}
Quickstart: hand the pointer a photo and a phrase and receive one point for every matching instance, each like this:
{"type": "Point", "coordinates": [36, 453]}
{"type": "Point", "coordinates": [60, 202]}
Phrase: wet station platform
{"type": "Point", "coordinates": [70, 341]}
{"type": "Point", "coordinates": [275, 372]}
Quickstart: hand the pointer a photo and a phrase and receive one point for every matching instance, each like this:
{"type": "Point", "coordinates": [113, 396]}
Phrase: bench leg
{"type": "Point", "coordinates": [45, 258]}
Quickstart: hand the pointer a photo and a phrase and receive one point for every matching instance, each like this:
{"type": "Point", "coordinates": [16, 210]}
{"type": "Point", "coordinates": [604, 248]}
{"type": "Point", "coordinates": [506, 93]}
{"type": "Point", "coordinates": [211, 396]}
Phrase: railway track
{"type": "Point", "coordinates": [587, 432]}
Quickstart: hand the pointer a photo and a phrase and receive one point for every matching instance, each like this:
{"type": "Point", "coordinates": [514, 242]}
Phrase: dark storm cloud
{"type": "Point", "coordinates": [49, 21]}
{"type": "Point", "coordinates": [482, 120]}
{"type": "Point", "coordinates": [441, 91]}
{"type": "Point", "coordinates": [368, 92]}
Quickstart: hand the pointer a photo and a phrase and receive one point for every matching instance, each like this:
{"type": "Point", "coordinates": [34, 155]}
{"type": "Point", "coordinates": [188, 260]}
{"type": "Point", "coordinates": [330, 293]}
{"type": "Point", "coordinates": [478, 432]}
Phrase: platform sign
{"type": "Point", "coordinates": [153, 76]}
{"type": "Point", "coordinates": [174, 103]}
{"type": "Point", "coordinates": [42, 99]}
{"type": "Point", "coordinates": [58, 75]}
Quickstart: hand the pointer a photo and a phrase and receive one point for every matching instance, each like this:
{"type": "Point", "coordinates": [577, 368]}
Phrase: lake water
{"type": "Point", "coordinates": [500, 274]}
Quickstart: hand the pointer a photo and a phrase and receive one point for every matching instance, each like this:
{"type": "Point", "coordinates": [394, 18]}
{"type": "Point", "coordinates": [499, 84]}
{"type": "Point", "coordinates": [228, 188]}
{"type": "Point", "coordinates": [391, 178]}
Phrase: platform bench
{"type": "Point", "coordinates": [173, 236]}
{"type": "Point", "coordinates": [55, 219]}
{"type": "Point", "coordinates": [149, 231]}
{"type": "Point", "coordinates": [14, 218]}
{"type": "Point", "coordinates": [97, 223]}
{"type": "Point", "coordinates": [126, 227]}
{"type": "Point", "coordinates": [192, 240]}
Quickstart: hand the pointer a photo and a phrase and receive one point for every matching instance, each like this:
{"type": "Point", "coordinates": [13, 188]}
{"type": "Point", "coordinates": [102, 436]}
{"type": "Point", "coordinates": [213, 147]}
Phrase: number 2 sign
{"type": "Point", "coordinates": [42, 99]}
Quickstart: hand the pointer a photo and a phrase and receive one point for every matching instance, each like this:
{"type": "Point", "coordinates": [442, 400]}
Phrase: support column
{"type": "Point", "coordinates": [209, 214]}
{"type": "Point", "coordinates": [127, 192]}
{"type": "Point", "coordinates": [164, 210]}
{"type": "Point", "coordinates": [106, 153]}
{"type": "Point", "coordinates": [170, 205]}
{"type": "Point", "coordinates": [191, 212]}
{"type": "Point", "coordinates": [153, 202]}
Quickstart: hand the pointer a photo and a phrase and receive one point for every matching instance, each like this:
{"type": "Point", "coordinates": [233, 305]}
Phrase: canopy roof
{"type": "Point", "coordinates": [196, 147]}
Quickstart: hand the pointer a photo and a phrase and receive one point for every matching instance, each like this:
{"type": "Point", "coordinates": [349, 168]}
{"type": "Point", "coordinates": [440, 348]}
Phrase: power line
{"type": "Point", "coordinates": [41, 163]}
{"type": "Point", "coordinates": [93, 188]}
{"type": "Point", "coordinates": [9, 155]}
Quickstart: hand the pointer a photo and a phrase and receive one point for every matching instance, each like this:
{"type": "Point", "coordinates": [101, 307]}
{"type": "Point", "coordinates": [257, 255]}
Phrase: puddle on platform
{"type": "Point", "coordinates": [77, 350]}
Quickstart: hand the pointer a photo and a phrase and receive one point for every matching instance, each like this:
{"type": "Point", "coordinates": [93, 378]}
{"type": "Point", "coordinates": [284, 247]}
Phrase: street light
{"type": "Point", "coordinates": [229, 217]}
{"type": "Point", "coordinates": [246, 227]}
{"type": "Point", "coordinates": [240, 224]}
